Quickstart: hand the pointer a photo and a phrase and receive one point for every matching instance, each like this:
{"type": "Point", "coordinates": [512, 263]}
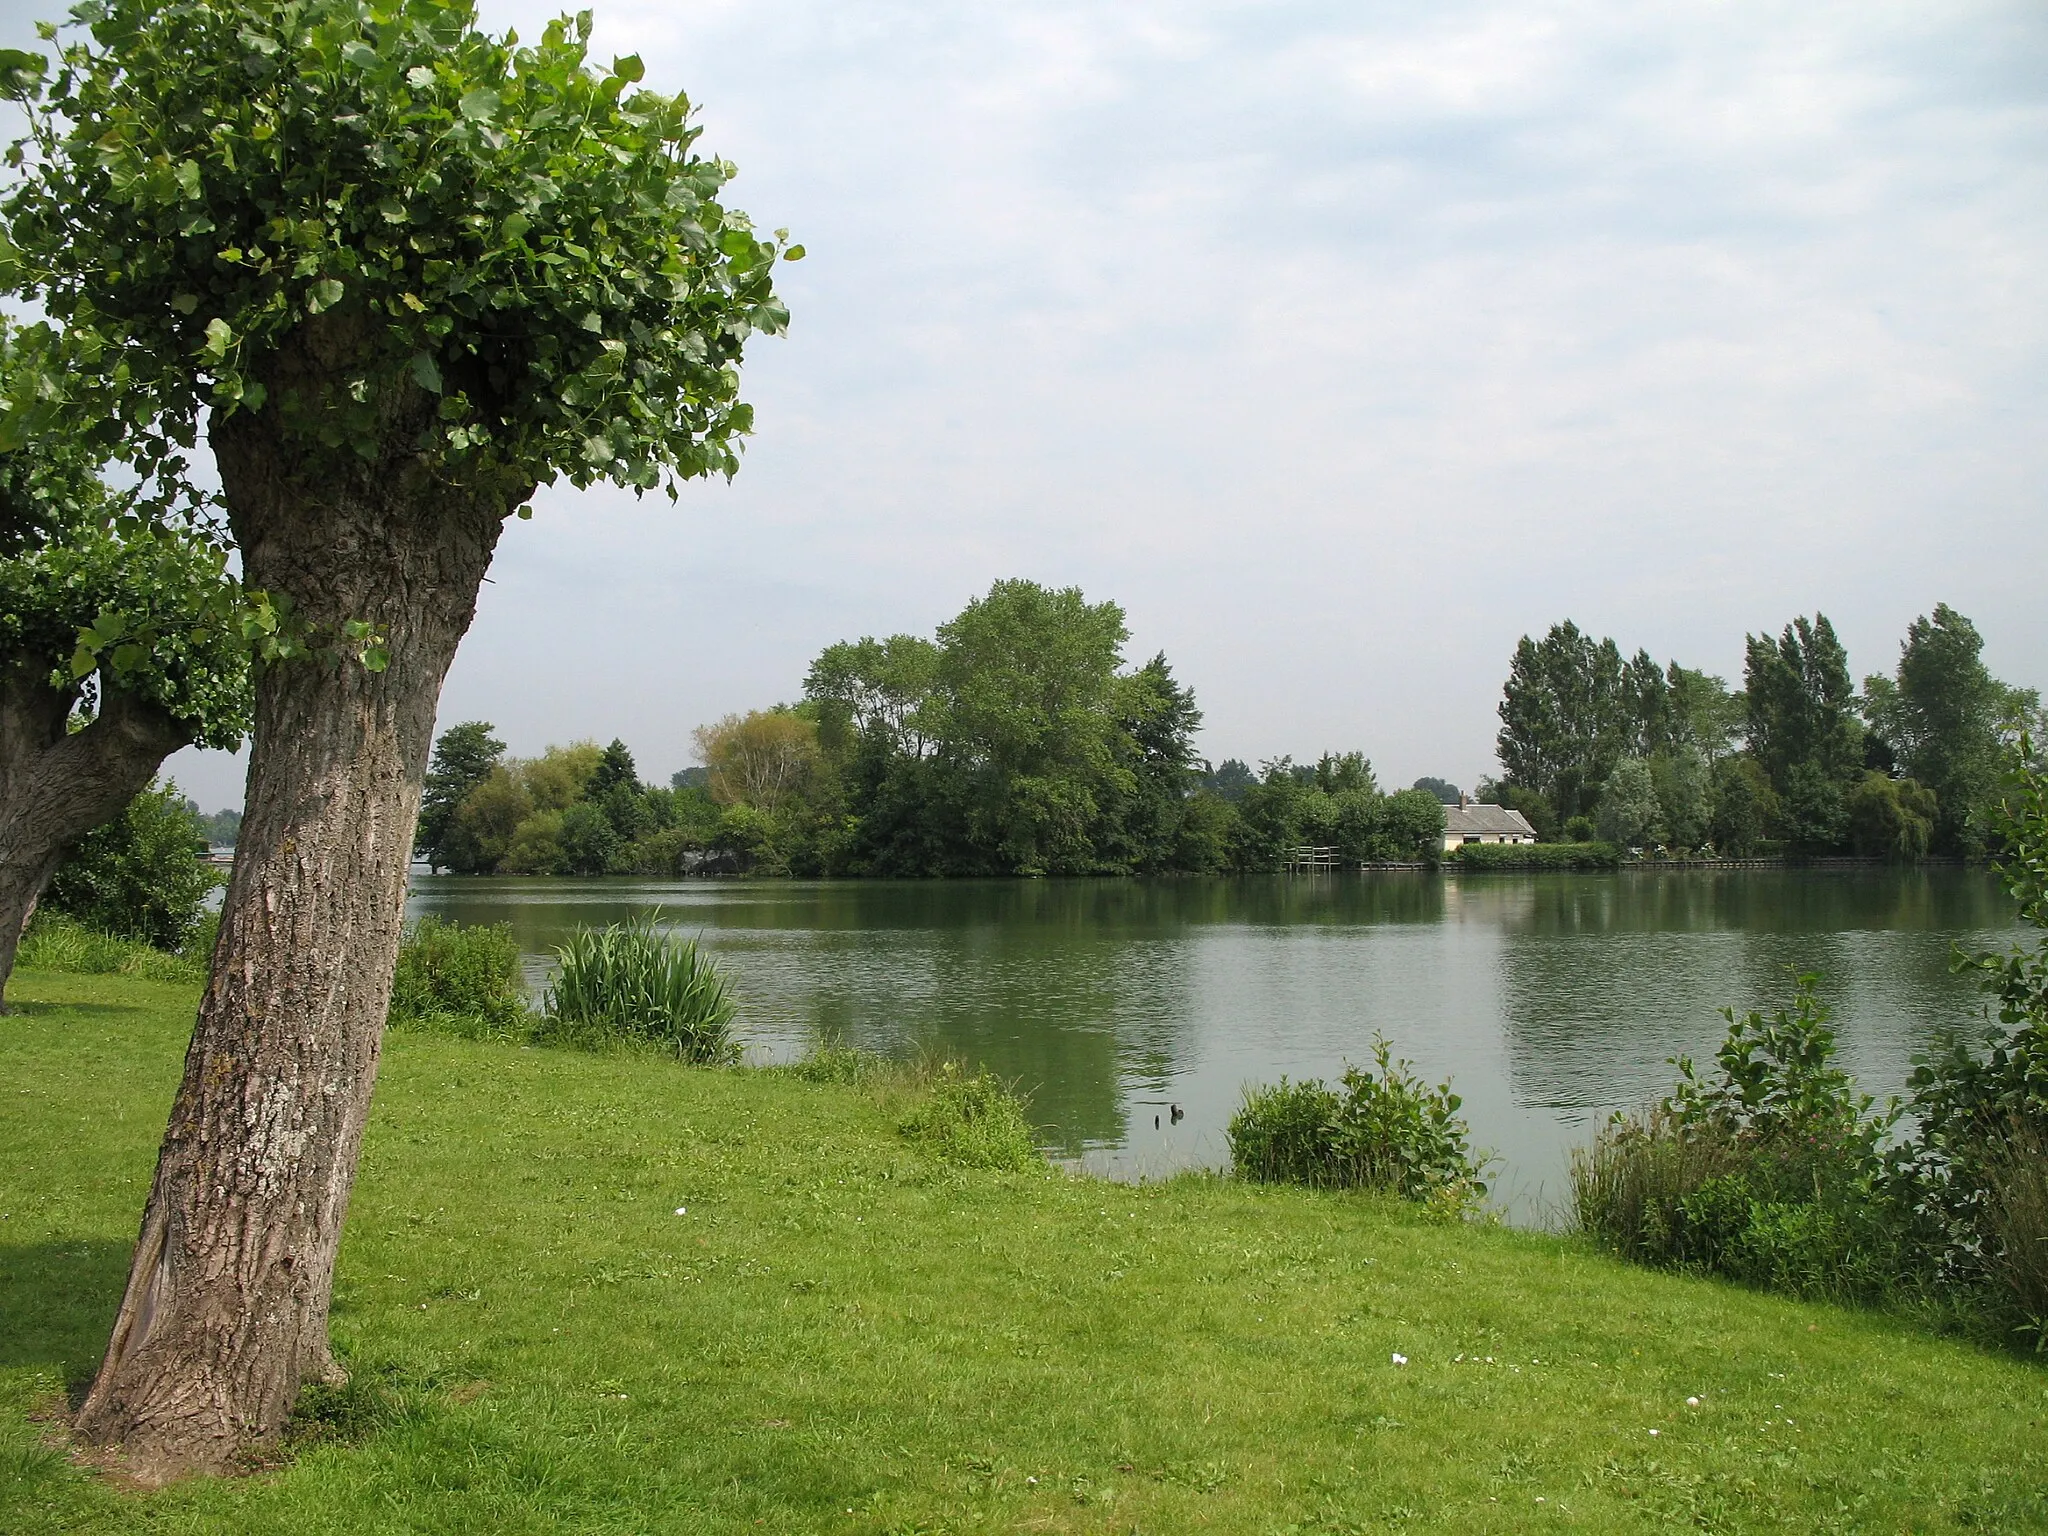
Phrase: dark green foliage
{"type": "Point", "coordinates": [1940, 719]}
{"type": "Point", "coordinates": [1803, 729]}
{"type": "Point", "coordinates": [221, 829]}
{"type": "Point", "coordinates": [629, 983]}
{"type": "Point", "coordinates": [1745, 807]}
{"type": "Point", "coordinates": [1588, 855]}
{"type": "Point", "coordinates": [1443, 789]}
{"type": "Point", "coordinates": [1890, 818]}
{"type": "Point", "coordinates": [460, 979]}
{"type": "Point", "coordinates": [589, 842]}
{"type": "Point", "coordinates": [142, 876]}
{"type": "Point", "coordinates": [1773, 1170]}
{"type": "Point", "coordinates": [1383, 1129]}
{"type": "Point", "coordinates": [463, 759]}
{"type": "Point", "coordinates": [1229, 780]}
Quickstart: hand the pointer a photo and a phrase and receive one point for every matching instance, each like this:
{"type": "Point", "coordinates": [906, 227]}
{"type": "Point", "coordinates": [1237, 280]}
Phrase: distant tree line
{"type": "Point", "coordinates": [1797, 760]}
{"type": "Point", "coordinates": [1014, 741]}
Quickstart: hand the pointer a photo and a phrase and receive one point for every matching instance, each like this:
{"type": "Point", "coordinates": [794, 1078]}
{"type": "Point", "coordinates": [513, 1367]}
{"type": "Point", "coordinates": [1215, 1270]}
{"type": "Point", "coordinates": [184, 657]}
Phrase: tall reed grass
{"type": "Point", "coordinates": [627, 983]}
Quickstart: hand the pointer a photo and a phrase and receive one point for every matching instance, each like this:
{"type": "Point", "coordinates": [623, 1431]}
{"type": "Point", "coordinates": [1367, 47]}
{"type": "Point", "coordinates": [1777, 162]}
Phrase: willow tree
{"type": "Point", "coordinates": [400, 273]}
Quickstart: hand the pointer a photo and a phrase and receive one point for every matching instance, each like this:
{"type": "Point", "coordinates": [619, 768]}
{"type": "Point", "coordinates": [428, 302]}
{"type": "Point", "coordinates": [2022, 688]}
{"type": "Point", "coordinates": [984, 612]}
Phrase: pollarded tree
{"type": "Point", "coordinates": [401, 272]}
{"type": "Point", "coordinates": [173, 670]}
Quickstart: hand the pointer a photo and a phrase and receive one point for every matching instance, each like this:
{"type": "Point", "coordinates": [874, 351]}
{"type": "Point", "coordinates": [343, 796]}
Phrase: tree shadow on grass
{"type": "Point", "coordinates": [35, 1007]}
{"type": "Point", "coordinates": [59, 1299]}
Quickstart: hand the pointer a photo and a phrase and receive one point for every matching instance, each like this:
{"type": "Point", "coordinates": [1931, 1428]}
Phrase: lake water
{"type": "Point", "coordinates": [1548, 1000]}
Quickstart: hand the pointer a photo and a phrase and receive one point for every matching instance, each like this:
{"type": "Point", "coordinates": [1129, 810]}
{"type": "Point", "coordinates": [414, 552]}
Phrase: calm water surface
{"type": "Point", "coordinates": [1548, 1000]}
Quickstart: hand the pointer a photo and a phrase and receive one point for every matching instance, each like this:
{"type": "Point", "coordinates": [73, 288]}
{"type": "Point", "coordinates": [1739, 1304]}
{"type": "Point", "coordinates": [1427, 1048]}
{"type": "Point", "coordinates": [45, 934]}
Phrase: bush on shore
{"type": "Point", "coordinates": [460, 980]}
{"type": "Point", "coordinates": [1777, 1172]}
{"type": "Point", "coordinates": [1383, 1130]}
{"type": "Point", "coordinates": [1483, 856]}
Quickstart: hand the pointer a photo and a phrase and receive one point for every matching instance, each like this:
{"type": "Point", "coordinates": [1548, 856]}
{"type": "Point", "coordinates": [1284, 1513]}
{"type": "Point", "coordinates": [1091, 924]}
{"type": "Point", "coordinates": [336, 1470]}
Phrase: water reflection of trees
{"type": "Point", "coordinates": [1603, 979]}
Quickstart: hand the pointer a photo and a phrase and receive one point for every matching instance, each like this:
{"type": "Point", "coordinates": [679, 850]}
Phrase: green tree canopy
{"type": "Point", "coordinates": [463, 759]}
{"type": "Point", "coordinates": [85, 726]}
{"type": "Point", "coordinates": [1942, 717]}
{"type": "Point", "coordinates": [1803, 728]}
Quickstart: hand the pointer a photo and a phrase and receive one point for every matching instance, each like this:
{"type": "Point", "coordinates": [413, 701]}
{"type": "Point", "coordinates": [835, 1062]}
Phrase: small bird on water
{"type": "Point", "coordinates": [1179, 1114]}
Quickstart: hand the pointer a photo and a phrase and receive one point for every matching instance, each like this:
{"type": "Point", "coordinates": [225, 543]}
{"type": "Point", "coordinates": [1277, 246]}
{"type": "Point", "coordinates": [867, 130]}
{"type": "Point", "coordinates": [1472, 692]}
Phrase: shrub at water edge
{"type": "Point", "coordinates": [1774, 1171]}
{"type": "Point", "coordinates": [627, 983]}
{"type": "Point", "coordinates": [1385, 1130]}
{"type": "Point", "coordinates": [460, 980]}
{"type": "Point", "coordinates": [1777, 1172]}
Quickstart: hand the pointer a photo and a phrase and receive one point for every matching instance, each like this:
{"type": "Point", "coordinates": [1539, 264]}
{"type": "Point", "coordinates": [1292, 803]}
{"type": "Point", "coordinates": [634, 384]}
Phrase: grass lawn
{"type": "Point", "coordinates": [843, 1336]}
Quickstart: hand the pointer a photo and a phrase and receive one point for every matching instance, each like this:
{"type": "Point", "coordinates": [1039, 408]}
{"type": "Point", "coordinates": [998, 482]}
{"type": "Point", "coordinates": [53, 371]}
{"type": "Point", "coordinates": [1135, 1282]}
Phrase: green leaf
{"type": "Point", "coordinates": [629, 68]}
{"type": "Point", "coordinates": [219, 337]}
{"type": "Point", "coordinates": [188, 177]}
{"type": "Point", "coordinates": [21, 74]}
{"type": "Point", "coordinates": [794, 253]}
{"type": "Point", "coordinates": [516, 225]}
{"type": "Point", "coordinates": [426, 372]}
{"type": "Point", "coordinates": [83, 663]}
{"type": "Point", "coordinates": [323, 295]}
{"type": "Point", "coordinates": [479, 105]}
{"type": "Point", "coordinates": [184, 303]}
{"type": "Point", "coordinates": [419, 77]}
{"type": "Point", "coordinates": [593, 322]}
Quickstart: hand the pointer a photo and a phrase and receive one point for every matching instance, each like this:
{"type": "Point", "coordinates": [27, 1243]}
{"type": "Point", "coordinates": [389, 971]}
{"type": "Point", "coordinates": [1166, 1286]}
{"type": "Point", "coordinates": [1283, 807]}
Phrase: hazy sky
{"type": "Point", "coordinates": [1341, 344]}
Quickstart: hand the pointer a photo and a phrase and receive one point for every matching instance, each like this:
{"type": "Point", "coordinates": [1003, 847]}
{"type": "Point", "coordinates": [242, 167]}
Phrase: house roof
{"type": "Point", "coordinates": [1485, 821]}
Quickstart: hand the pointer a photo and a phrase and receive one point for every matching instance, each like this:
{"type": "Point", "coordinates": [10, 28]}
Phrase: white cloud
{"type": "Point", "coordinates": [1342, 344]}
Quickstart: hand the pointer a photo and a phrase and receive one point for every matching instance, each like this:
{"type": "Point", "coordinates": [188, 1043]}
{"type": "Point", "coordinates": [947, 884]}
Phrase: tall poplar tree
{"type": "Point", "coordinates": [401, 273]}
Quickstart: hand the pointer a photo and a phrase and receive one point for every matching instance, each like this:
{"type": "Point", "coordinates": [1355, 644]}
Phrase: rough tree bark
{"type": "Point", "coordinates": [225, 1313]}
{"type": "Point", "coordinates": [56, 784]}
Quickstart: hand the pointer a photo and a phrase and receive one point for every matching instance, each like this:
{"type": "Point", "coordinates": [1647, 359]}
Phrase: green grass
{"type": "Point", "coordinates": [841, 1323]}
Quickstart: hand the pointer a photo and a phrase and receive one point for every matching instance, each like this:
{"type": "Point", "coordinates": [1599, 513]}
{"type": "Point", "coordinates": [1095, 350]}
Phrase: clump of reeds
{"type": "Point", "coordinates": [2018, 1219]}
{"type": "Point", "coordinates": [1630, 1188]}
{"type": "Point", "coordinates": [628, 983]}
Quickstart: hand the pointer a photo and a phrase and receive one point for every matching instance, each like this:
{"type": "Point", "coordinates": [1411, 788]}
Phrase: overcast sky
{"type": "Point", "coordinates": [1341, 344]}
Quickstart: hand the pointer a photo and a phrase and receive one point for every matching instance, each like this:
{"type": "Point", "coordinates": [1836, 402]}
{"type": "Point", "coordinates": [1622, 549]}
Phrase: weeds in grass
{"type": "Point", "coordinates": [460, 980]}
{"type": "Point", "coordinates": [1386, 1130]}
{"type": "Point", "coordinates": [55, 942]}
{"type": "Point", "coordinates": [629, 983]}
{"type": "Point", "coordinates": [972, 1119]}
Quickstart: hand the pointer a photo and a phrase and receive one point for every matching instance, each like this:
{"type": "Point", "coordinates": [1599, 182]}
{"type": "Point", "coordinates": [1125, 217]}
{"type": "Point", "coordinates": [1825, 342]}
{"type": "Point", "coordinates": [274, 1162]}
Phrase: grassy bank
{"type": "Point", "coordinates": [842, 1334]}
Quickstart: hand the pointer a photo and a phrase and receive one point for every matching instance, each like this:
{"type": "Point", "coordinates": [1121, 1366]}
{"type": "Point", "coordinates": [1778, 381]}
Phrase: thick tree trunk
{"type": "Point", "coordinates": [225, 1312]}
{"type": "Point", "coordinates": [56, 785]}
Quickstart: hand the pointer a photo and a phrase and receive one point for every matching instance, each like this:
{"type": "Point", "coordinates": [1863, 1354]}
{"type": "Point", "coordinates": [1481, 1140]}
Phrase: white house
{"type": "Point", "coordinates": [1469, 823]}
